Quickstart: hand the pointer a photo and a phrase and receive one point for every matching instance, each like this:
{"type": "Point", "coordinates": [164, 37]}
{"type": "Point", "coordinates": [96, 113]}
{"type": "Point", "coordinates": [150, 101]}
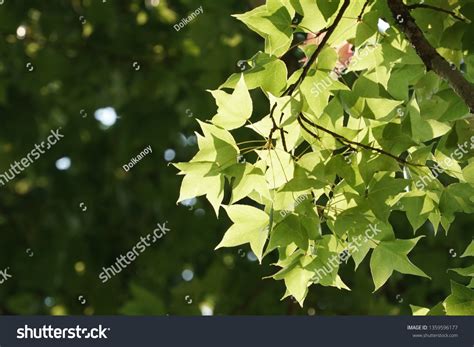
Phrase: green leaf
{"type": "Point", "coordinates": [313, 19]}
{"type": "Point", "coordinates": [273, 24]}
{"type": "Point", "coordinates": [374, 163]}
{"type": "Point", "coordinates": [425, 130]}
{"type": "Point", "coordinates": [327, 8]}
{"type": "Point", "coordinates": [363, 238]}
{"type": "Point", "coordinates": [382, 108]}
{"type": "Point", "coordinates": [381, 189]}
{"type": "Point", "coordinates": [468, 173]}
{"type": "Point", "coordinates": [217, 145]}
{"type": "Point", "coordinates": [367, 27]}
{"type": "Point", "coordinates": [457, 198]}
{"type": "Point", "coordinates": [297, 281]}
{"type": "Point", "coordinates": [203, 174]}
{"type": "Point", "coordinates": [266, 72]}
{"type": "Point", "coordinates": [466, 272]}
{"type": "Point", "coordinates": [197, 185]}
{"type": "Point", "coordinates": [327, 59]}
{"type": "Point", "coordinates": [392, 255]}
{"type": "Point", "coordinates": [250, 226]}
{"type": "Point", "coordinates": [325, 265]}
{"type": "Point", "coordinates": [393, 138]}
{"type": "Point", "coordinates": [248, 179]}
{"type": "Point", "coordinates": [401, 78]}
{"type": "Point", "coordinates": [460, 302]}
{"type": "Point", "coordinates": [384, 56]}
{"type": "Point", "coordinates": [437, 310]}
{"type": "Point", "coordinates": [233, 109]}
{"type": "Point", "coordinates": [418, 207]}
{"type": "Point", "coordinates": [288, 231]}
{"type": "Point", "coordinates": [281, 167]}
{"type": "Point", "coordinates": [469, 252]}
{"type": "Point", "coordinates": [201, 178]}
{"type": "Point", "coordinates": [286, 108]}
{"type": "Point", "coordinates": [419, 311]}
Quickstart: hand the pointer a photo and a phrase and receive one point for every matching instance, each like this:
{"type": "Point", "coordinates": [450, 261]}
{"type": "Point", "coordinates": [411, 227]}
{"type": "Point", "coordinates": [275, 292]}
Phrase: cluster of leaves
{"type": "Point", "coordinates": [335, 155]}
{"type": "Point", "coordinates": [461, 298]}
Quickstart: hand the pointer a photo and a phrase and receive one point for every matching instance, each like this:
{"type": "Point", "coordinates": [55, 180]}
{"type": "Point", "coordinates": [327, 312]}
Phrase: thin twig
{"type": "Point", "coordinates": [359, 17]}
{"type": "Point", "coordinates": [439, 9]}
{"type": "Point", "coordinates": [289, 91]}
{"type": "Point", "coordinates": [324, 40]}
{"type": "Point", "coordinates": [307, 130]}
{"type": "Point", "coordinates": [358, 144]}
{"type": "Point", "coordinates": [283, 140]}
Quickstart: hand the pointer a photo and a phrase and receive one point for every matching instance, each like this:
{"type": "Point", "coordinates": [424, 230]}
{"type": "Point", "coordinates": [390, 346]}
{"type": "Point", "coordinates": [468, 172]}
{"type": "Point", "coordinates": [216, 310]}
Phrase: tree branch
{"type": "Point", "coordinates": [431, 58]}
{"type": "Point", "coordinates": [292, 88]}
{"type": "Point", "coordinates": [283, 140]}
{"type": "Point", "coordinates": [361, 14]}
{"type": "Point", "coordinates": [306, 129]}
{"type": "Point", "coordinates": [348, 142]}
{"type": "Point", "coordinates": [329, 31]}
{"type": "Point", "coordinates": [439, 9]}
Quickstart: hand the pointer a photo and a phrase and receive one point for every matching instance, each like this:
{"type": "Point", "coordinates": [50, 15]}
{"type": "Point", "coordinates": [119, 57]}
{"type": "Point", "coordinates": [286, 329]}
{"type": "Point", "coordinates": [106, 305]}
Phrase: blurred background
{"type": "Point", "coordinates": [117, 77]}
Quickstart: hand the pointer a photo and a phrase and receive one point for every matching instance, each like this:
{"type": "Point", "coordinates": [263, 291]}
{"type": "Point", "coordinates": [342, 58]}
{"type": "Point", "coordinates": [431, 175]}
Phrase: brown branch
{"type": "Point", "coordinates": [359, 17]}
{"type": "Point", "coordinates": [348, 142]}
{"type": "Point", "coordinates": [439, 9]}
{"type": "Point", "coordinates": [431, 58]}
{"type": "Point", "coordinates": [282, 134]}
{"type": "Point", "coordinates": [307, 130]}
{"type": "Point", "coordinates": [292, 88]}
{"type": "Point", "coordinates": [302, 42]}
{"type": "Point", "coordinates": [275, 128]}
{"type": "Point", "coordinates": [329, 31]}
{"type": "Point", "coordinates": [283, 140]}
